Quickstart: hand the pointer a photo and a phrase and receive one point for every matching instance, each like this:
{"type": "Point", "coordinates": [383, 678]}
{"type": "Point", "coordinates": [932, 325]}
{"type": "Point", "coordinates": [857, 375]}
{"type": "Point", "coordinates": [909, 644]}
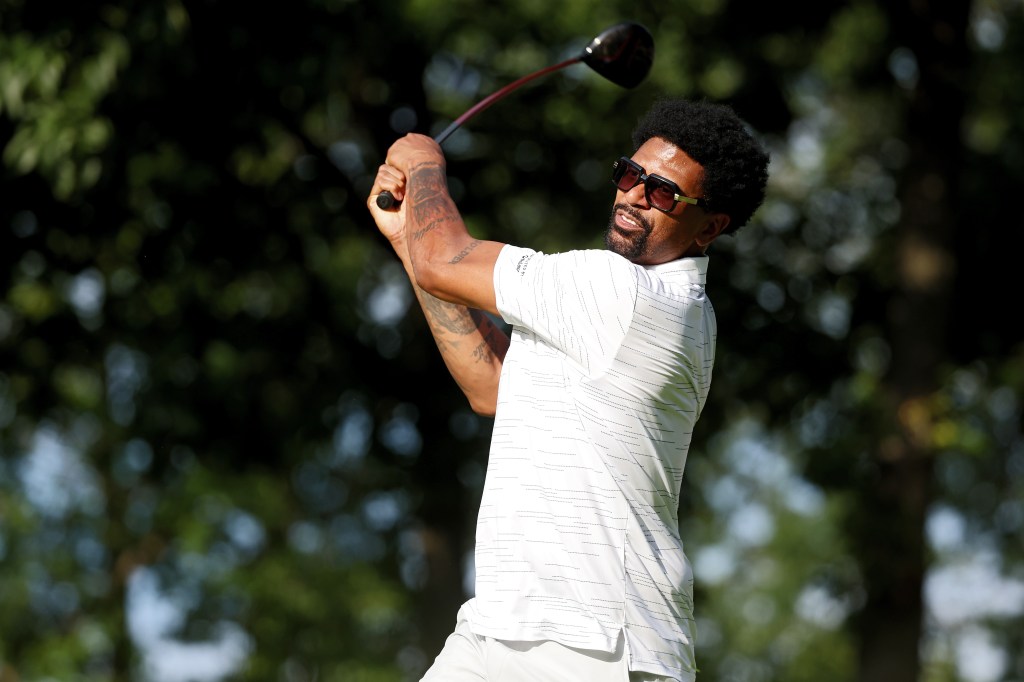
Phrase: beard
{"type": "Point", "coordinates": [631, 246]}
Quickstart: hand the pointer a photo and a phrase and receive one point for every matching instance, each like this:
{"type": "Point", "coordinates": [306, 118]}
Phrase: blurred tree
{"type": "Point", "coordinates": [186, 319]}
{"type": "Point", "coordinates": [226, 437]}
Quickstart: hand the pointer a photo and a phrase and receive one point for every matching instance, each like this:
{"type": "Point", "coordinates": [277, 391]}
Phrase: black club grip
{"type": "Point", "coordinates": [386, 200]}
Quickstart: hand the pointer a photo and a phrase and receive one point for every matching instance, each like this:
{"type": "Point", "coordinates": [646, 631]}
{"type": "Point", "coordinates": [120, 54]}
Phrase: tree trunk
{"type": "Point", "coordinates": [894, 500]}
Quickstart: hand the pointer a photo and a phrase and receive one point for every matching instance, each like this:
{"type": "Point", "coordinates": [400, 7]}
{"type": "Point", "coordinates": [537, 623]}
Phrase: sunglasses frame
{"type": "Point", "coordinates": [644, 177]}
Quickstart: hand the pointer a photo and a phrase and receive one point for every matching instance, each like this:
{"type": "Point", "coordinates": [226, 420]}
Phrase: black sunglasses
{"type": "Point", "coordinates": [661, 193]}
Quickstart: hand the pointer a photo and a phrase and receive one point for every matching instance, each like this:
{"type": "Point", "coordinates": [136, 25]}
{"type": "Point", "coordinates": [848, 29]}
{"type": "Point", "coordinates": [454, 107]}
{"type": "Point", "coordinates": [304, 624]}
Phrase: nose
{"type": "Point", "coordinates": [637, 196]}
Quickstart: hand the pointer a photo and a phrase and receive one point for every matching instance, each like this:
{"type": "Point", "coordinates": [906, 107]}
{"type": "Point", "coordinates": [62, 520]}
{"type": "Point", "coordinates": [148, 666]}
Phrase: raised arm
{"type": "Point", "coordinates": [447, 261]}
{"type": "Point", "coordinates": [471, 344]}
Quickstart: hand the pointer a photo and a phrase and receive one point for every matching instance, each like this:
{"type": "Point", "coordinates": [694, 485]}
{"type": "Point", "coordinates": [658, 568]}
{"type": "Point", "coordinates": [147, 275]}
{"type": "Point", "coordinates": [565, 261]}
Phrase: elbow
{"type": "Point", "coordinates": [483, 407]}
{"type": "Point", "coordinates": [428, 278]}
{"type": "Point", "coordinates": [483, 398]}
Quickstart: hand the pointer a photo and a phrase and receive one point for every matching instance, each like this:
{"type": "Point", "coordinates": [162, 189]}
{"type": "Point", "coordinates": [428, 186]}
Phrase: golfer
{"type": "Point", "coordinates": [580, 569]}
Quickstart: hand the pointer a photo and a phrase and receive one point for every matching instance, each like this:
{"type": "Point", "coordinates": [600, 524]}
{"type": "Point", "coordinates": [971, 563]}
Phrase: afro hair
{"type": "Point", "coordinates": [735, 164]}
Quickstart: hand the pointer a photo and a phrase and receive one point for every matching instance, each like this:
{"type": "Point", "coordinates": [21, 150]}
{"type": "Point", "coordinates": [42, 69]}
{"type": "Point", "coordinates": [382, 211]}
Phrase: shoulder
{"type": "Point", "coordinates": [600, 263]}
{"type": "Point", "coordinates": [577, 263]}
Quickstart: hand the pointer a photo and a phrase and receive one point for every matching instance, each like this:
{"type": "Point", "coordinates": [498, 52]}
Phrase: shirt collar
{"type": "Point", "coordinates": [692, 269]}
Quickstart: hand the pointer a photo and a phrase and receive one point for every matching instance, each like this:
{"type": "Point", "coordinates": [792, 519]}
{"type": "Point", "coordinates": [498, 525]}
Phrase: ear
{"type": "Point", "coordinates": [716, 224]}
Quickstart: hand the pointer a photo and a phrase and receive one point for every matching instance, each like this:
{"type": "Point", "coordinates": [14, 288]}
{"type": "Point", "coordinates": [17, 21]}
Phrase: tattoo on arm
{"type": "Point", "coordinates": [431, 206]}
{"type": "Point", "coordinates": [456, 319]}
{"type": "Point", "coordinates": [495, 343]}
{"type": "Point", "coordinates": [465, 252]}
{"type": "Point", "coordinates": [461, 321]}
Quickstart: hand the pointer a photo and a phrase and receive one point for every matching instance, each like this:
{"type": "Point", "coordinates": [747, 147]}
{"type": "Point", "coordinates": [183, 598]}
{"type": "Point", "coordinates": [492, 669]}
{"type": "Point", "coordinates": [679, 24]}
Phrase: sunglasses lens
{"type": "Point", "coordinates": [626, 175]}
{"type": "Point", "coordinates": [660, 194]}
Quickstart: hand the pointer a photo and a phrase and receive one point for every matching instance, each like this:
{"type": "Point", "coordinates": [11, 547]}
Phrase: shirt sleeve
{"type": "Point", "coordinates": [580, 302]}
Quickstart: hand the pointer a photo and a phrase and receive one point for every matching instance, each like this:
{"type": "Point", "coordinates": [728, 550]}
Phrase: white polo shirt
{"type": "Point", "coordinates": [578, 537]}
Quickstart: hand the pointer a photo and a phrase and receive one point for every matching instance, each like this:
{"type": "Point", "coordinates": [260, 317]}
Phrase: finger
{"type": "Point", "coordinates": [389, 179]}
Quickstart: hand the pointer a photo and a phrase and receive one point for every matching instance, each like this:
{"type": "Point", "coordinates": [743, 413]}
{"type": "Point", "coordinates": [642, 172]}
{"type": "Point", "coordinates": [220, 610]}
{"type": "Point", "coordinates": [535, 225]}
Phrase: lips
{"type": "Point", "coordinates": [626, 222]}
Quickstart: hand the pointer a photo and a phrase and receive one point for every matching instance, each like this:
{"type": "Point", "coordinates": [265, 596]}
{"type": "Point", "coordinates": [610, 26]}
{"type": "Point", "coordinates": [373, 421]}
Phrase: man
{"type": "Point", "coordinates": [580, 570]}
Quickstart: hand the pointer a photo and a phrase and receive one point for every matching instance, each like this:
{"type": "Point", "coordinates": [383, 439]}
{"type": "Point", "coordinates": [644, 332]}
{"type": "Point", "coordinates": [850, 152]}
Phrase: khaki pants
{"type": "Point", "coordinates": [471, 658]}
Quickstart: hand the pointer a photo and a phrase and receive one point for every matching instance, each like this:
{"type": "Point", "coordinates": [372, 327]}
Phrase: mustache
{"type": "Point", "coordinates": [635, 214]}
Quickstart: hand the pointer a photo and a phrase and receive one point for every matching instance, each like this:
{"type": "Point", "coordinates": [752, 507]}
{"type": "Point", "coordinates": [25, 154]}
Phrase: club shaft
{"type": "Point", "coordinates": [495, 96]}
{"type": "Point", "coordinates": [385, 200]}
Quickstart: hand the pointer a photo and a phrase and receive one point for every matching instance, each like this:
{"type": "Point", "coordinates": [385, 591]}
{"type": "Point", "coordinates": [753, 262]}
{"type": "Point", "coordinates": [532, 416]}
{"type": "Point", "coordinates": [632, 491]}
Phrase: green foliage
{"type": "Point", "coordinates": [217, 397]}
{"type": "Point", "coordinates": [54, 94]}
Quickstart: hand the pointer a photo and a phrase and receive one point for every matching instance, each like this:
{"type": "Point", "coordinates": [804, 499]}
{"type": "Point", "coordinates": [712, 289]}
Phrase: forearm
{"type": "Point", "coordinates": [452, 274]}
{"type": "Point", "coordinates": [472, 346]}
{"type": "Point", "coordinates": [447, 261]}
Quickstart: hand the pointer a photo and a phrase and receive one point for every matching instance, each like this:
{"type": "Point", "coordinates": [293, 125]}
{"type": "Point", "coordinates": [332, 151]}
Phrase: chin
{"type": "Point", "coordinates": [630, 249]}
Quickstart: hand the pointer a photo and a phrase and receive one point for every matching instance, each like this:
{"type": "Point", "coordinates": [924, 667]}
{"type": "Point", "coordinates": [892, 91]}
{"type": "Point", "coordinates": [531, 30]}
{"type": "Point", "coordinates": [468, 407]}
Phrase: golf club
{"type": "Point", "coordinates": [623, 54]}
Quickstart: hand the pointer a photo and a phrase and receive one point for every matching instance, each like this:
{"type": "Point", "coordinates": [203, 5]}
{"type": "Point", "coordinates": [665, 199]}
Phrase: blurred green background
{"type": "Point", "coordinates": [230, 451]}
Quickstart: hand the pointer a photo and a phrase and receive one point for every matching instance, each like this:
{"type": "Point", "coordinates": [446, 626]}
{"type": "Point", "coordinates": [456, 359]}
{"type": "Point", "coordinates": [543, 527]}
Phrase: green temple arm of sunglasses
{"type": "Point", "coordinates": [691, 200]}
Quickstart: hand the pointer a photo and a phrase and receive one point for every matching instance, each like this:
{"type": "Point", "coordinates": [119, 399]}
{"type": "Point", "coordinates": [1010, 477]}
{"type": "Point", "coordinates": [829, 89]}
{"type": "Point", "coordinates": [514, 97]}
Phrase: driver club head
{"type": "Point", "coordinates": [623, 54]}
